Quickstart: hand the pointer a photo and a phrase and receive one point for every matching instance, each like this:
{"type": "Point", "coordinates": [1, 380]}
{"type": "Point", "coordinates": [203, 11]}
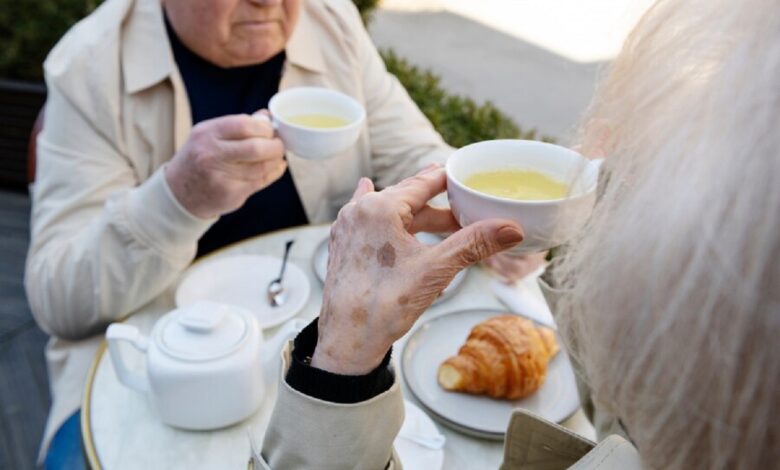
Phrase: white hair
{"type": "Point", "coordinates": [672, 290]}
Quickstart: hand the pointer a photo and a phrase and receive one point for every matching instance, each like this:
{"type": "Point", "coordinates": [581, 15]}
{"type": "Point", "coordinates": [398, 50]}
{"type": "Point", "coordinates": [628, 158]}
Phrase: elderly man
{"type": "Point", "coordinates": [128, 191]}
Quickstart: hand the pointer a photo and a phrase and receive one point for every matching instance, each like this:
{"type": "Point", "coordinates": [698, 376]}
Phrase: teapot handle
{"type": "Point", "coordinates": [116, 333]}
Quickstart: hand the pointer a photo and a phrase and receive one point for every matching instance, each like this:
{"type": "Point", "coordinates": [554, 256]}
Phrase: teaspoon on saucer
{"type": "Point", "coordinates": [276, 292]}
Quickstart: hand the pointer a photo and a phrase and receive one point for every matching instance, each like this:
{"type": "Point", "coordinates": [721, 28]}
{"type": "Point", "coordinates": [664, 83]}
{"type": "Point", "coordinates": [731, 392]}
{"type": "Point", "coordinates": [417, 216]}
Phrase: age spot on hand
{"type": "Point", "coordinates": [367, 251]}
{"type": "Point", "coordinates": [386, 255]}
{"type": "Point", "coordinates": [359, 317]}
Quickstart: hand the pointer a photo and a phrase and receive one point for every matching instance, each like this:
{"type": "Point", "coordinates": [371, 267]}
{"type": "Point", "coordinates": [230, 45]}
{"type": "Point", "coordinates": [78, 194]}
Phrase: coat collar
{"type": "Point", "coordinates": [303, 49]}
{"type": "Point", "coordinates": [146, 53]}
{"type": "Point", "coordinates": [147, 58]}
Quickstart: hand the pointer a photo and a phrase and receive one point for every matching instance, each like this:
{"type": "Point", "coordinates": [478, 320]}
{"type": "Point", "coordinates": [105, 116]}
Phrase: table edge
{"type": "Point", "coordinates": [86, 403]}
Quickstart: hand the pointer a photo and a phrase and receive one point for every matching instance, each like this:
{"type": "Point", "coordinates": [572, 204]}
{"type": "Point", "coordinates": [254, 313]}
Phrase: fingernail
{"type": "Point", "coordinates": [508, 236]}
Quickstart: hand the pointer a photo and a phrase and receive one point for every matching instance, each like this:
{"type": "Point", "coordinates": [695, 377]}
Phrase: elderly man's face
{"type": "Point", "coordinates": [231, 33]}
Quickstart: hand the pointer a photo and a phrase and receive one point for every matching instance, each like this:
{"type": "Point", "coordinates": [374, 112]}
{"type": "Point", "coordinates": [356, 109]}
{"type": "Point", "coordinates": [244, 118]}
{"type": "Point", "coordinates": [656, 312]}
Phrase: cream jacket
{"type": "Point", "coordinates": [107, 234]}
{"type": "Point", "coordinates": [307, 433]}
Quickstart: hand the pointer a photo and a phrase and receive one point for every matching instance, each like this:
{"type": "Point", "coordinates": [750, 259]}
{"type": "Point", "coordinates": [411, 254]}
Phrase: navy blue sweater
{"type": "Point", "coordinates": [215, 91]}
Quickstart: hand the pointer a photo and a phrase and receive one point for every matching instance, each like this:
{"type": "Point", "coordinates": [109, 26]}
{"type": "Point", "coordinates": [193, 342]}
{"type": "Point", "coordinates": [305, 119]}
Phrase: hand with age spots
{"type": "Point", "coordinates": [381, 279]}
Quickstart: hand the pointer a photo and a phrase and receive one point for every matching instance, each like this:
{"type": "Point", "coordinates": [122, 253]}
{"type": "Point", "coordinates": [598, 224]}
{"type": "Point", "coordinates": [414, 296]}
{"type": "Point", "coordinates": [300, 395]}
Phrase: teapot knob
{"type": "Point", "coordinates": [202, 317]}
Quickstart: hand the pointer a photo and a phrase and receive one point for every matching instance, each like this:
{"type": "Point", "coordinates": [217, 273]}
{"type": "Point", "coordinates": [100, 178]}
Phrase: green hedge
{"type": "Point", "coordinates": [366, 8]}
{"type": "Point", "coordinates": [30, 28]}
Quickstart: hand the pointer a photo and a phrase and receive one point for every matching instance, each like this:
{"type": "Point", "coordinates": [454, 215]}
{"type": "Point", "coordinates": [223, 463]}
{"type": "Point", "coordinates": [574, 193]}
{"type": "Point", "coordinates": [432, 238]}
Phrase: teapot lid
{"type": "Point", "coordinates": [203, 331]}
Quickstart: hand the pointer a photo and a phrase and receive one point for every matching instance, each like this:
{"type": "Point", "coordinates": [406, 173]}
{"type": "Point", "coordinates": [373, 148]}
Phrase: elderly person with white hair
{"type": "Point", "coordinates": [667, 300]}
{"type": "Point", "coordinates": [149, 155]}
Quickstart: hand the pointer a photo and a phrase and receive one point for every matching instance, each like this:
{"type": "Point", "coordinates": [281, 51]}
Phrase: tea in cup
{"type": "Point", "coordinates": [548, 189]}
{"type": "Point", "coordinates": [316, 123]}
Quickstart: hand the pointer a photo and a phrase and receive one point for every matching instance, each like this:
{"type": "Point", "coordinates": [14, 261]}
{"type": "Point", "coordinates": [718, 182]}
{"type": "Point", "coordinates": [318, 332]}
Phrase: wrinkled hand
{"type": "Point", "coordinates": [511, 267]}
{"type": "Point", "coordinates": [224, 161]}
{"type": "Point", "coordinates": [381, 279]}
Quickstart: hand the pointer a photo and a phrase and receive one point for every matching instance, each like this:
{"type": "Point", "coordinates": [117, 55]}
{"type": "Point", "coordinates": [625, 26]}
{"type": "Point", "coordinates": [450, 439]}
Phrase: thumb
{"type": "Point", "coordinates": [364, 187]}
{"type": "Point", "coordinates": [478, 241]}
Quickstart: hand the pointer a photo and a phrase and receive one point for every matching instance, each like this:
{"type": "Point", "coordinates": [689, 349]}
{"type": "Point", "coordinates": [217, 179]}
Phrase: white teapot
{"type": "Point", "coordinates": [204, 363]}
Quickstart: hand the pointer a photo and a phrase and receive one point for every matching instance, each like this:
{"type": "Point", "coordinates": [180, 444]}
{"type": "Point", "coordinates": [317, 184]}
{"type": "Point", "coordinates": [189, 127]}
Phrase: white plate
{"type": "Point", "coordinates": [414, 456]}
{"type": "Point", "coordinates": [435, 340]}
{"type": "Point", "coordinates": [320, 265]}
{"type": "Point", "coordinates": [242, 280]}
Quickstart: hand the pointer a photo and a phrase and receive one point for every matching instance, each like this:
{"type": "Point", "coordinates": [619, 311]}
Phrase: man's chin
{"type": "Point", "coordinates": [255, 55]}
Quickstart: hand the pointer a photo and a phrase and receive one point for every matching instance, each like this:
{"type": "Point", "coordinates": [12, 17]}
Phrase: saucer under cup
{"type": "Point", "coordinates": [242, 280]}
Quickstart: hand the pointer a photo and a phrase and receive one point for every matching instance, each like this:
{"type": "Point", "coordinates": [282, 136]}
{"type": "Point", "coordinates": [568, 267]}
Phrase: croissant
{"type": "Point", "coordinates": [504, 357]}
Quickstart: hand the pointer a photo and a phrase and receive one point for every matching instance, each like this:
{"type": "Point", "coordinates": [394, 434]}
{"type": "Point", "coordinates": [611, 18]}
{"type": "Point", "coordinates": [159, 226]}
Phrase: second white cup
{"type": "Point", "coordinates": [312, 142]}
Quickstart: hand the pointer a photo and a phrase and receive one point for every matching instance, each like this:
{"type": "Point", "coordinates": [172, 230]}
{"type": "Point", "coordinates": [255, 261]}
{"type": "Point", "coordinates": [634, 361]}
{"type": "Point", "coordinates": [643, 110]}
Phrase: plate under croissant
{"type": "Point", "coordinates": [440, 337]}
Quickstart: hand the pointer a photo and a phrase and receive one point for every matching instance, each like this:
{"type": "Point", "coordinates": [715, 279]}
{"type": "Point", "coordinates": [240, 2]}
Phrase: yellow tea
{"type": "Point", "coordinates": [517, 184]}
{"type": "Point", "coordinates": [318, 121]}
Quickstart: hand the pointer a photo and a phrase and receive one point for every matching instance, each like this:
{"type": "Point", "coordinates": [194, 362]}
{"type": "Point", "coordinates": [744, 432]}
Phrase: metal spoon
{"type": "Point", "coordinates": [276, 292]}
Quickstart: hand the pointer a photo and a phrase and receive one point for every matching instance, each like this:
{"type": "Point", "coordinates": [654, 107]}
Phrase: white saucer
{"type": "Point", "coordinates": [414, 456]}
{"type": "Point", "coordinates": [242, 280]}
{"type": "Point", "coordinates": [320, 265]}
{"type": "Point", "coordinates": [440, 337]}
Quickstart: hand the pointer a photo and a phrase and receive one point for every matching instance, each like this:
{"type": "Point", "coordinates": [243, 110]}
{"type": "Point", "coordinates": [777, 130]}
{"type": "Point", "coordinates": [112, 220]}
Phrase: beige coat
{"type": "Point", "coordinates": [307, 433]}
{"type": "Point", "coordinates": [107, 234]}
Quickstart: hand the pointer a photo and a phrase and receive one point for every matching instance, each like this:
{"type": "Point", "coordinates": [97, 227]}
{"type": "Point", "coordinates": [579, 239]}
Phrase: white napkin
{"type": "Point", "coordinates": [524, 298]}
{"type": "Point", "coordinates": [419, 429]}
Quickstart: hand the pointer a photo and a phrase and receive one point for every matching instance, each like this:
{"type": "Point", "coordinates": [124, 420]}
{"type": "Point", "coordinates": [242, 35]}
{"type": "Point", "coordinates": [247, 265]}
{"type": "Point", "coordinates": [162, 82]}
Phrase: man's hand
{"type": "Point", "coordinates": [381, 279]}
{"type": "Point", "coordinates": [224, 161]}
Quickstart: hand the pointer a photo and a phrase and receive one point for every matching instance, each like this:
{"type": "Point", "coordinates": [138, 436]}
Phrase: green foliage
{"type": "Point", "coordinates": [30, 28]}
{"type": "Point", "coordinates": [366, 8]}
{"type": "Point", "coordinates": [458, 119]}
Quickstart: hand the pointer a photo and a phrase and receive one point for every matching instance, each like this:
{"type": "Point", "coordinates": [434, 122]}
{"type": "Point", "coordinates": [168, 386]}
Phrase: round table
{"type": "Point", "coordinates": [121, 430]}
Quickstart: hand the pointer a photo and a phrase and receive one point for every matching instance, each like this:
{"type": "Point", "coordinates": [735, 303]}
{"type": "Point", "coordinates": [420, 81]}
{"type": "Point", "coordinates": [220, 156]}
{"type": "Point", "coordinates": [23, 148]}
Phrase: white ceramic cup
{"type": "Point", "coordinates": [546, 223]}
{"type": "Point", "coordinates": [314, 143]}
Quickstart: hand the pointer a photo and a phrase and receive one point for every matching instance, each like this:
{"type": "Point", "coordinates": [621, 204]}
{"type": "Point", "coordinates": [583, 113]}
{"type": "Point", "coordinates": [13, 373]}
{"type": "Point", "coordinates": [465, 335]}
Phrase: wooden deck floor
{"type": "Point", "coordinates": [24, 388]}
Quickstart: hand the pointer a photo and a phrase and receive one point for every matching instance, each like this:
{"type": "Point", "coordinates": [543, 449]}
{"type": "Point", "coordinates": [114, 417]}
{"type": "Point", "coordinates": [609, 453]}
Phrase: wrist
{"type": "Point", "coordinates": [178, 185]}
{"type": "Point", "coordinates": [356, 362]}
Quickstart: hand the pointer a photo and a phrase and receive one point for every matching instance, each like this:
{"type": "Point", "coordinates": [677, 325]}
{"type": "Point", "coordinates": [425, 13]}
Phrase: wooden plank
{"type": "Point", "coordinates": [20, 87]}
{"type": "Point", "coordinates": [26, 108]}
{"type": "Point", "coordinates": [6, 162]}
{"type": "Point", "coordinates": [17, 126]}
